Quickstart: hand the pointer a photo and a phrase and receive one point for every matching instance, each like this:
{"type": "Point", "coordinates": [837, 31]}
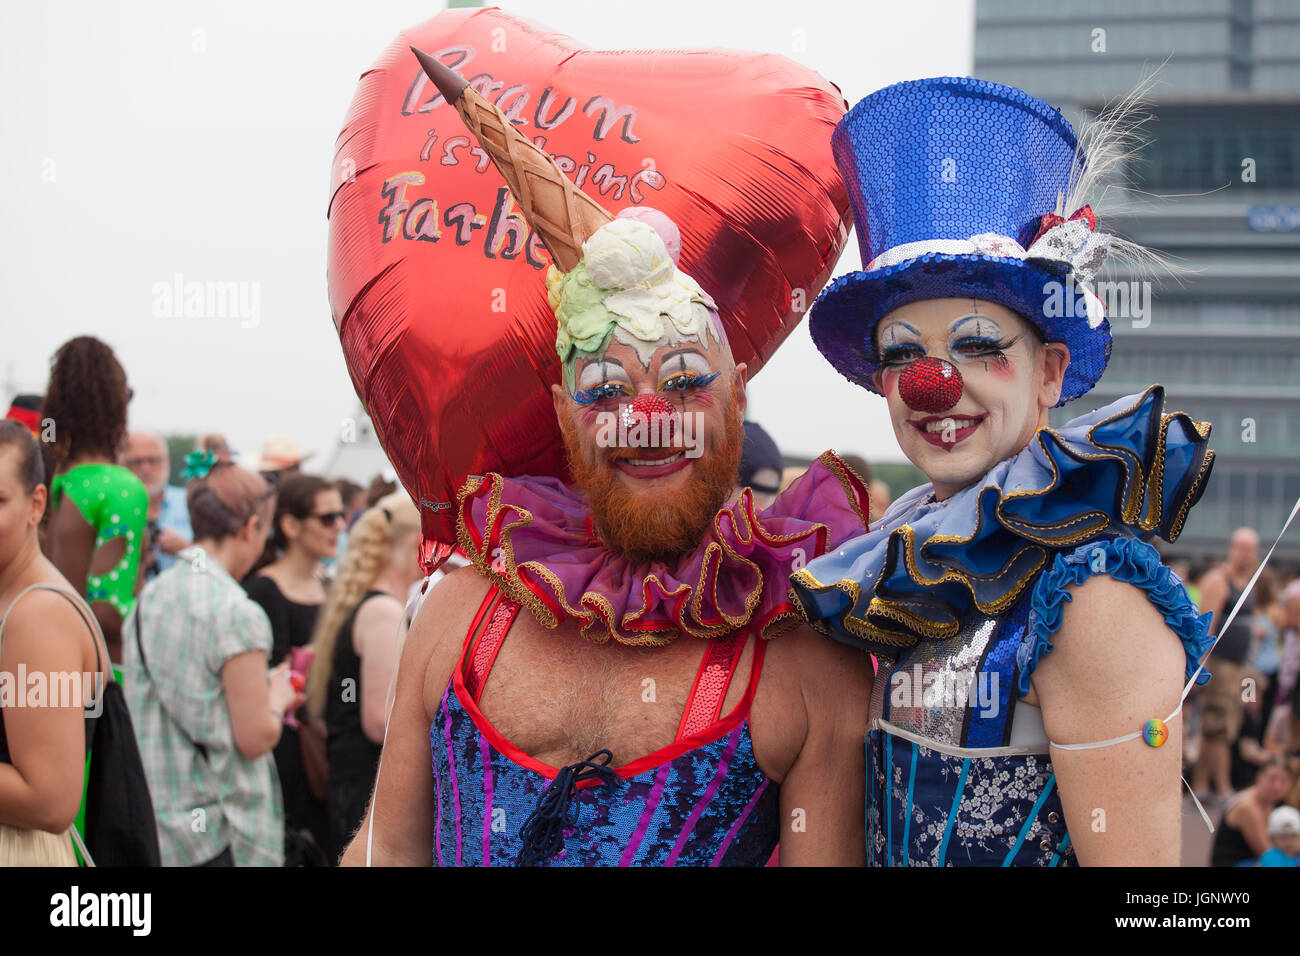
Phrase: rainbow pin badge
{"type": "Point", "coordinates": [1155, 732]}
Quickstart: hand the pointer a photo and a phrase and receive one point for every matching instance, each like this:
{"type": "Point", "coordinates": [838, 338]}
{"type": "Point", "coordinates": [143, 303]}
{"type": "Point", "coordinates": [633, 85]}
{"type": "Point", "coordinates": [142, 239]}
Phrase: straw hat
{"type": "Point", "coordinates": [278, 453]}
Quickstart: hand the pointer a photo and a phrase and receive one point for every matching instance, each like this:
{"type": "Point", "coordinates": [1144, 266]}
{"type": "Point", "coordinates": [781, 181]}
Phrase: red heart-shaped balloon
{"type": "Point", "coordinates": [437, 284]}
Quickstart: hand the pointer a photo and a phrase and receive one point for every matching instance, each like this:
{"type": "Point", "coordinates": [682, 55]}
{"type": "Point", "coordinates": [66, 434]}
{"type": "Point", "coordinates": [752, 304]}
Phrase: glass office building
{"type": "Point", "coordinates": [1223, 160]}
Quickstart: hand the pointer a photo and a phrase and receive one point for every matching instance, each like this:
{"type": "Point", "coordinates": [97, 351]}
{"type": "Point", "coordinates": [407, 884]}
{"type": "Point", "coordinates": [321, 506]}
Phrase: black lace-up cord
{"type": "Point", "coordinates": [542, 835]}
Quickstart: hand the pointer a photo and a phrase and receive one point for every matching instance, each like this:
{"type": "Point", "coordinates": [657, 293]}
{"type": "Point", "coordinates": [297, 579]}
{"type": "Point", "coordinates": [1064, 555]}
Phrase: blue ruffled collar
{"type": "Point", "coordinates": [1126, 470]}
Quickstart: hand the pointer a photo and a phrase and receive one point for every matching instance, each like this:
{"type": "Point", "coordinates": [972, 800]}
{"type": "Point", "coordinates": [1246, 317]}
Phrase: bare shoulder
{"type": "Point", "coordinates": [813, 690]}
{"type": "Point", "coordinates": [380, 610]}
{"type": "Point", "coordinates": [66, 516]}
{"type": "Point", "coordinates": [439, 630]}
{"type": "Point", "coordinates": [1215, 575]}
{"type": "Point", "coordinates": [1112, 640]}
{"type": "Point", "coordinates": [1215, 587]}
{"type": "Point", "coordinates": [464, 587]}
{"type": "Point", "coordinates": [821, 665]}
{"type": "Point", "coordinates": [46, 626]}
{"type": "Point", "coordinates": [378, 620]}
{"type": "Point", "coordinates": [1105, 615]}
{"type": "Point", "coordinates": [1246, 811]}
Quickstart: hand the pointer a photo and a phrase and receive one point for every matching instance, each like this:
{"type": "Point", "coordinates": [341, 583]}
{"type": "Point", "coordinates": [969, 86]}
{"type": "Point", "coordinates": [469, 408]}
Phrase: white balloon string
{"type": "Point", "coordinates": [1242, 600]}
{"type": "Point", "coordinates": [388, 716]}
{"type": "Point", "coordinates": [1201, 665]}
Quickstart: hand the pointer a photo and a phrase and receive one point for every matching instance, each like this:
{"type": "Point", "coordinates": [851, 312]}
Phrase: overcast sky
{"type": "Point", "coordinates": [150, 139]}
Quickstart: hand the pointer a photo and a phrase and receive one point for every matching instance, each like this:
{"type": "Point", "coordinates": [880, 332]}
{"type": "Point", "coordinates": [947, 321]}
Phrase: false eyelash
{"type": "Point", "coordinates": [588, 396]}
{"type": "Point", "coordinates": [889, 355]}
{"type": "Point", "coordinates": [991, 347]}
{"type": "Point", "coordinates": [989, 344]}
{"type": "Point", "coordinates": [689, 381]}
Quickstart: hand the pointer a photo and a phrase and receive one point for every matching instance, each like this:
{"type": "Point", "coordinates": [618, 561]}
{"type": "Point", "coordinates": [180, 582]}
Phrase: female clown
{"type": "Point", "coordinates": [1033, 648]}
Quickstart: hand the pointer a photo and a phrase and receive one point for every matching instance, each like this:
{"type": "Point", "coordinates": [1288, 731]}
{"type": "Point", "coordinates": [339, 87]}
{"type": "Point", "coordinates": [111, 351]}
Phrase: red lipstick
{"type": "Point", "coordinates": [947, 437]}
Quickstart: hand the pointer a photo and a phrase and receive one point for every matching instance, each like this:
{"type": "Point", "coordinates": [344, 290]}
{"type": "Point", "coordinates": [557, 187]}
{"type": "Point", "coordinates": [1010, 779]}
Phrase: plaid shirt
{"type": "Point", "coordinates": [194, 617]}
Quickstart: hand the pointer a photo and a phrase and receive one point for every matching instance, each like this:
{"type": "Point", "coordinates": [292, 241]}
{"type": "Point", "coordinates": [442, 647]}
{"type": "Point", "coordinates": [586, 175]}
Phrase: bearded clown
{"type": "Point", "coordinates": [652, 402]}
{"type": "Point", "coordinates": [601, 686]}
{"type": "Point", "coordinates": [1034, 651]}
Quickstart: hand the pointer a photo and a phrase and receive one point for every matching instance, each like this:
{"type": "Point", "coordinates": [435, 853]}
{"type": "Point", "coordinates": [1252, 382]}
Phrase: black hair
{"type": "Point", "coordinates": [86, 398]}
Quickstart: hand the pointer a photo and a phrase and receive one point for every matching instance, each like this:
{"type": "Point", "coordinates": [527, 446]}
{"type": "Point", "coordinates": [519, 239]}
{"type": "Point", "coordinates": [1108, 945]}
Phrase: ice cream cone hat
{"type": "Point", "coordinates": [563, 215]}
{"type": "Point", "coordinates": [613, 275]}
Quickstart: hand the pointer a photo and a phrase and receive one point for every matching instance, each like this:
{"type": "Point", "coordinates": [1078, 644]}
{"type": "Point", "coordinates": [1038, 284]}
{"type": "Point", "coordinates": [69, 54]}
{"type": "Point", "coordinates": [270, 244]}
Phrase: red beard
{"type": "Point", "coordinates": [656, 525]}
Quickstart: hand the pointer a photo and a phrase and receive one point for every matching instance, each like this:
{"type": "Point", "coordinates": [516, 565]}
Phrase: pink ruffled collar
{"type": "Point", "coordinates": [533, 538]}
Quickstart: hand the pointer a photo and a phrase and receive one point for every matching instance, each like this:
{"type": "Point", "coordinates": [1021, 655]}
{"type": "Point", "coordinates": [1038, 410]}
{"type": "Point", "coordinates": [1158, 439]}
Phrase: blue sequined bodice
{"type": "Point", "coordinates": [709, 805]}
{"type": "Point", "coordinates": [946, 785]}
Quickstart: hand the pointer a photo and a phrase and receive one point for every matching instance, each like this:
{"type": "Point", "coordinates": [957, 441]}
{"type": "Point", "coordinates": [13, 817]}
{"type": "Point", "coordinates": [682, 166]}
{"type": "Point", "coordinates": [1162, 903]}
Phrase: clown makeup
{"type": "Point", "coordinates": [681, 376]}
{"type": "Point", "coordinates": [684, 370]}
{"type": "Point", "coordinates": [602, 380]}
{"type": "Point", "coordinates": [973, 337]}
{"type": "Point", "coordinates": [681, 372]}
{"type": "Point", "coordinates": [968, 384]}
{"type": "Point", "coordinates": [645, 439]}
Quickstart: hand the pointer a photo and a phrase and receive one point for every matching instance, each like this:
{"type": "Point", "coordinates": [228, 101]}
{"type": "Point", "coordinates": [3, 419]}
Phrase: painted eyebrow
{"type": "Point", "coordinates": [897, 322]}
{"type": "Point", "coordinates": [973, 317]}
{"type": "Point", "coordinates": [600, 365]}
{"type": "Point", "coordinates": [600, 373]}
{"type": "Point", "coordinates": [680, 355]}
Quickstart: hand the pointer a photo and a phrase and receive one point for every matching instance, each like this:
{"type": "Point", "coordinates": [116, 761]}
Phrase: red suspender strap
{"type": "Point", "coordinates": [704, 706]}
{"type": "Point", "coordinates": [486, 606]}
{"type": "Point", "coordinates": [498, 611]}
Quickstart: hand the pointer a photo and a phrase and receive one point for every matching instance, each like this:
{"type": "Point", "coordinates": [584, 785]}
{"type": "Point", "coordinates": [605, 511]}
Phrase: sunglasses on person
{"type": "Point", "coordinates": [329, 517]}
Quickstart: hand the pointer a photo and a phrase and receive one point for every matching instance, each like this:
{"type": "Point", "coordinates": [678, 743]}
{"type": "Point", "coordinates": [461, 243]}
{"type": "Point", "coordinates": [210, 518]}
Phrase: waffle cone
{"type": "Point", "coordinates": [561, 213]}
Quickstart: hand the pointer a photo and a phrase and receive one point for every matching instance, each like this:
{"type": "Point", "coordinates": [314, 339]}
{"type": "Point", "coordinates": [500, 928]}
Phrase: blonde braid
{"type": "Point", "coordinates": [367, 550]}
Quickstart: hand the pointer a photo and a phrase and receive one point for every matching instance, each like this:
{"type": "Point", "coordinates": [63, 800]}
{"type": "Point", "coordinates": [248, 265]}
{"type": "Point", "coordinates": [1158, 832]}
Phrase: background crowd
{"type": "Point", "coordinates": [253, 614]}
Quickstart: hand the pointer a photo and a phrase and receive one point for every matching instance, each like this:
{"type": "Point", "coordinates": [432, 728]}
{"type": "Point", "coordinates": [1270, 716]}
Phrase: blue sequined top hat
{"type": "Point", "coordinates": [957, 187]}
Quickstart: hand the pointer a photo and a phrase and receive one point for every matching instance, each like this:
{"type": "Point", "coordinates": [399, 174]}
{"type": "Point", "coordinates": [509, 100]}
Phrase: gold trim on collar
{"type": "Point", "coordinates": [594, 612]}
{"type": "Point", "coordinates": [1143, 478]}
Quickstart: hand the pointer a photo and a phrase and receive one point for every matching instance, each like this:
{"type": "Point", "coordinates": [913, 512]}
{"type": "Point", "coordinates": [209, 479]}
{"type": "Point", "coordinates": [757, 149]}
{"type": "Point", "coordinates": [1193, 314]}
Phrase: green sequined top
{"type": "Point", "coordinates": [116, 504]}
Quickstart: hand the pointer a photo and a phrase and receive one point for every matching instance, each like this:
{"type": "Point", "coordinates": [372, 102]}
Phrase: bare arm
{"type": "Point", "coordinates": [822, 795]}
{"type": "Point", "coordinates": [171, 542]}
{"type": "Point", "coordinates": [105, 558]}
{"type": "Point", "coordinates": [256, 704]}
{"type": "Point", "coordinates": [375, 639]}
{"type": "Point", "coordinates": [1252, 751]}
{"type": "Point", "coordinates": [40, 788]}
{"type": "Point", "coordinates": [1253, 824]}
{"type": "Point", "coordinates": [71, 541]}
{"type": "Point", "coordinates": [1291, 612]}
{"type": "Point", "coordinates": [1114, 666]}
{"type": "Point", "coordinates": [1214, 595]}
{"type": "Point", "coordinates": [402, 805]}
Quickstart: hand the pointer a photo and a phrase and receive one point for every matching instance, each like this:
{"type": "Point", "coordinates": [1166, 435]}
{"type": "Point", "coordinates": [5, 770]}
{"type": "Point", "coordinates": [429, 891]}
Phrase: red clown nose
{"type": "Point", "coordinates": [930, 385]}
{"type": "Point", "coordinates": [653, 410]}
